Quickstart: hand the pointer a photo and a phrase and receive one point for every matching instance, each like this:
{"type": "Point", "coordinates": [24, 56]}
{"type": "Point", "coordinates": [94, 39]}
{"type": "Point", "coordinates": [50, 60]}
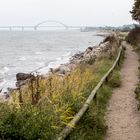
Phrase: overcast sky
{"type": "Point", "coordinates": [70, 12]}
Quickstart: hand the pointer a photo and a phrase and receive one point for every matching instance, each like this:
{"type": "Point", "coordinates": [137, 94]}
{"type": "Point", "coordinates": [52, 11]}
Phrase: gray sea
{"type": "Point", "coordinates": [28, 51]}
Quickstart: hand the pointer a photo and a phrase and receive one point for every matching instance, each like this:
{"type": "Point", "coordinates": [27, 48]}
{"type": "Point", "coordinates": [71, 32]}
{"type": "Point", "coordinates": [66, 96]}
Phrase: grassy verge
{"type": "Point", "coordinates": [41, 110]}
{"type": "Point", "coordinates": [93, 125]}
{"type": "Point", "coordinates": [137, 90]}
{"type": "Point", "coordinates": [134, 39]}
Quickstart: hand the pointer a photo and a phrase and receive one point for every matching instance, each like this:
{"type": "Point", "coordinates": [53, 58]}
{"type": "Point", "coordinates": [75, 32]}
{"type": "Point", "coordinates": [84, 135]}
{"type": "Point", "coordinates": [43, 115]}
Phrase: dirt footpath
{"type": "Point", "coordinates": [123, 119]}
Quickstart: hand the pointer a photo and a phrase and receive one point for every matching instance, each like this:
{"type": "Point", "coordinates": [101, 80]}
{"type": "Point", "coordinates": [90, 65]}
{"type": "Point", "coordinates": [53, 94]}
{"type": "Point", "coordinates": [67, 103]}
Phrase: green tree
{"type": "Point", "coordinates": [136, 11]}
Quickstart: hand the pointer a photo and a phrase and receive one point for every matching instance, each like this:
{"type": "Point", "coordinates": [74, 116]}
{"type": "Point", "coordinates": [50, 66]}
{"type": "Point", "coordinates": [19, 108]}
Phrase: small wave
{"type": "Point", "coordinates": [40, 64]}
{"type": "Point", "coordinates": [59, 58]}
{"type": "Point", "coordinates": [22, 59]}
{"type": "Point", "coordinates": [4, 70]}
{"type": "Point", "coordinates": [2, 83]}
{"type": "Point", "coordinates": [38, 53]}
{"type": "Point", "coordinates": [56, 63]}
{"type": "Point", "coordinates": [67, 54]}
{"type": "Point", "coordinates": [43, 70]}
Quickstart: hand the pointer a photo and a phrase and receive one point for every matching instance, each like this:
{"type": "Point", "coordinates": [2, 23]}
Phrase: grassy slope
{"type": "Point", "coordinates": [41, 110]}
{"type": "Point", "coordinates": [93, 125]}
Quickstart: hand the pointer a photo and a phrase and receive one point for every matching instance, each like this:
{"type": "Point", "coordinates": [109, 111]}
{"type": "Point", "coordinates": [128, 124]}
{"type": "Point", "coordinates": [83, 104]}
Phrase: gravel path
{"type": "Point", "coordinates": [123, 119]}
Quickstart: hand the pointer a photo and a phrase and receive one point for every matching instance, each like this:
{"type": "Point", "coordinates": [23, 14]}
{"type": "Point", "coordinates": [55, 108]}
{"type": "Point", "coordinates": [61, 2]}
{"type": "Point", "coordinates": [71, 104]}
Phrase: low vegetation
{"type": "Point", "coordinates": [43, 108]}
{"type": "Point", "coordinates": [134, 37]}
{"type": "Point", "coordinates": [137, 90]}
{"type": "Point", "coordinates": [93, 124]}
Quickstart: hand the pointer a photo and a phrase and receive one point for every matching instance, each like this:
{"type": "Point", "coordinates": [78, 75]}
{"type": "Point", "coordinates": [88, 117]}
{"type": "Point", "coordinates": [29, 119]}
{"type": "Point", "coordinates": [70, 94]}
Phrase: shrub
{"type": "Point", "coordinates": [115, 80]}
{"type": "Point", "coordinates": [134, 36]}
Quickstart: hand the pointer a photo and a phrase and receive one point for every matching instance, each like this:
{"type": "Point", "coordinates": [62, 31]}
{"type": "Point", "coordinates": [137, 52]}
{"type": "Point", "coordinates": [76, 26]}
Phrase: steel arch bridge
{"type": "Point", "coordinates": [35, 27]}
{"type": "Point", "coordinates": [51, 21]}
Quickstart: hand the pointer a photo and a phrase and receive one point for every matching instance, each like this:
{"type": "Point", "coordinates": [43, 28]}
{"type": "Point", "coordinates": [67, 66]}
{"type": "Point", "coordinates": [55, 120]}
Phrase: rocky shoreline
{"type": "Point", "coordinates": [106, 48]}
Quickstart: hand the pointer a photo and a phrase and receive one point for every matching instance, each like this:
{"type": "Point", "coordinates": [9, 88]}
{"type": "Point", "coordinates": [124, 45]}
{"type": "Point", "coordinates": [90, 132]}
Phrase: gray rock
{"type": "Point", "coordinates": [72, 66]}
{"type": "Point", "coordinates": [24, 76]}
{"type": "Point", "coordinates": [88, 50]}
{"type": "Point", "coordinates": [62, 69]}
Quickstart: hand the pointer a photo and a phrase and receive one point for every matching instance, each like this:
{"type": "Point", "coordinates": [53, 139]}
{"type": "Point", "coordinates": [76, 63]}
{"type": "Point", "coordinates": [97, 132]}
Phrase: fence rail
{"type": "Point", "coordinates": [70, 126]}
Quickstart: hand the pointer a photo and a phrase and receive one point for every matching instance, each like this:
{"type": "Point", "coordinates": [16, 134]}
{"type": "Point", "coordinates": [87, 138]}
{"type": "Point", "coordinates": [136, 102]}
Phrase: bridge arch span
{"type": "Point", "coordinates": [53, 21]}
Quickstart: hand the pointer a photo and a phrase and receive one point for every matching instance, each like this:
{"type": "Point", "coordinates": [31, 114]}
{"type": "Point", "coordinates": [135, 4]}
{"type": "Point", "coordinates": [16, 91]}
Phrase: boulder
{"type": "Point", "coordinates": [77, 58]}
{"type": "Point", "coordinates": [20, 83]}
{"type": "Point", "coordinates": [89, 49]}
{"type": "Point", "coordinates": [72, 66]}
{"type": "Point", "coordinates": [62, 69]}
{"type": "Point", "coordinates": [78, 55]}
{"type": "Point", "coordinates": [24, 76]}
{"type": "Point", "coordinates": [87, 56]}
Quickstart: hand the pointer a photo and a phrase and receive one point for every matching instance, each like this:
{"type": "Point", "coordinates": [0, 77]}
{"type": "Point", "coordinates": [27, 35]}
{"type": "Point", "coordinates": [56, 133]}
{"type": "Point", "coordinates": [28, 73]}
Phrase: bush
{"type": "Point", "coordinates": [115, 80]}
{"type": "Point", "coordinates": [26, 123]}
{"type": "Point", "coordinates": [134, 36]}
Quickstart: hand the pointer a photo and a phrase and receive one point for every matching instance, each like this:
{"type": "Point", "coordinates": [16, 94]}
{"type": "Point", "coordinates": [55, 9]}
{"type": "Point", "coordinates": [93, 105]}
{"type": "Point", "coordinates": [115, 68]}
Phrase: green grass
{"type": "Point", "coordinates": [115, 80]}
{"type": "Point", "coordinates": [93, 125]}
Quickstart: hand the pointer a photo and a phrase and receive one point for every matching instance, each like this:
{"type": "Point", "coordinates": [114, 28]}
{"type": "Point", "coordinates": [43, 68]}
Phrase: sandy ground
{"type": "Point", "coordinates": [123, 119]}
